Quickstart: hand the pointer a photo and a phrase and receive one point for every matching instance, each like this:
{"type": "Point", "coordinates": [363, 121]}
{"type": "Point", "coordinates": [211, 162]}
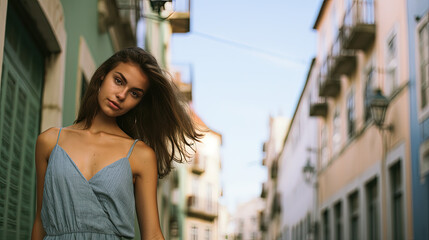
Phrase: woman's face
{"type": "Point", "coordinates": [122, 89]}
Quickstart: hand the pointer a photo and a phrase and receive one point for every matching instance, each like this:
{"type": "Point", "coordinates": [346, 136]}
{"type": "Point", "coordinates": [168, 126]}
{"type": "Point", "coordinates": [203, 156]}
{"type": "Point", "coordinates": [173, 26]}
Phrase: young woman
{"type": "Point", "coordinates": [93, 176]}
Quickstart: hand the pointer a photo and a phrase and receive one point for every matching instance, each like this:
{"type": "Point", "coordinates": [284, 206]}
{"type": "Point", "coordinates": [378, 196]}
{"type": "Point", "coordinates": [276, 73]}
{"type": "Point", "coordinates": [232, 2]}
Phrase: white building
{"type": "Point", "coordinates": [270, 217]}
{"type": "Point", "coordinates": [200, 188]}
{"type": "Point", "coordinates": [297, 195]}
{"type": "Point", "coordinates": [245, 224]}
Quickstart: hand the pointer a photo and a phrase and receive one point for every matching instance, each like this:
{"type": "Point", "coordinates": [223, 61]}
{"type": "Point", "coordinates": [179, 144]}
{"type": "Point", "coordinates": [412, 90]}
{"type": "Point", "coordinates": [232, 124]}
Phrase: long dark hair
{"type": "Point", "coordinates": [161, 118]}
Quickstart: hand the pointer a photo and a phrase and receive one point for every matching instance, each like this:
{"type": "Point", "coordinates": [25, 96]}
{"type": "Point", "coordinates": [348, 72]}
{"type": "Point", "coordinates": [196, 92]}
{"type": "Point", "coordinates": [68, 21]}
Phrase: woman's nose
{"type": "Point", "coordinates": [121, 94]}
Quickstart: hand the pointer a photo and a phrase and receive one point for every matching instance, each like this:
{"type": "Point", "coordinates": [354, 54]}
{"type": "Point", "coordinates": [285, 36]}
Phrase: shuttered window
{"type": "Point", "coordinates": [20, 103]}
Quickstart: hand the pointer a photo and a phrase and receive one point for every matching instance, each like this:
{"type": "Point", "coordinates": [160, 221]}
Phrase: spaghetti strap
{"type": "Point", "coordinates": [131, 149]}
{"type": "Point", "coordinates": [58, 138]}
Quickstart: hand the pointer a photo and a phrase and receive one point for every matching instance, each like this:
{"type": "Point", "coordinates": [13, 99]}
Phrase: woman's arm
{"type": "Point", "coordinates": [44, 145]}
{"type": "Point", "coordinates": [145, 186]}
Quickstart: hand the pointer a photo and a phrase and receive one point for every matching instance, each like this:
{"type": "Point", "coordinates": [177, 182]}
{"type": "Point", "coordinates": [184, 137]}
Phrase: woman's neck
{"type": "Point", "coordinates": [102, 123]}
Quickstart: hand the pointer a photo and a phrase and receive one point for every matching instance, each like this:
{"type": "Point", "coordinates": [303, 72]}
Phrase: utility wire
{"type": "Point", "coordinates": [289, 59]}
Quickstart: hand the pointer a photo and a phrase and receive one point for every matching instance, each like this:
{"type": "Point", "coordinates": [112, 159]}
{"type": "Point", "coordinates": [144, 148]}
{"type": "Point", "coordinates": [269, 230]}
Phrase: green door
{"type": "Point", "coordinates": [20, 104]}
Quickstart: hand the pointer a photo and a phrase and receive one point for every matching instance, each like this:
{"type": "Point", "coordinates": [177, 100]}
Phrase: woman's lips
{"type": "Point", "coordinates": [114, 105]}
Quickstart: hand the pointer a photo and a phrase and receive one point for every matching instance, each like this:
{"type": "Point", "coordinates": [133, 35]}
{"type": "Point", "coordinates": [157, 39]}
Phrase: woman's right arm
{"type": "Point", "coordinates": [44, 145]}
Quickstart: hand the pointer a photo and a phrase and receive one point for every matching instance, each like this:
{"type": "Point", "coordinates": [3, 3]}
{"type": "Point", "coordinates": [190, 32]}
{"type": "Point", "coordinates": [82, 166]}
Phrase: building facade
{"type": "Point", "coordinates": [298, 194]}
{"type": "Point", "coordinates": [270, 217]}
{"type": "Point", "coordinates": [364, 173]}
{"type": "Point", "coordinates": [418, 39]}
{"type": "Point", "coordinates": [160, 21]}
{"type": "Point", "coordinates": [201, 188]}
{"type": "Point", "coordinates": [245, 221]}
{"type": "Point", "coordinates": [45, 48]}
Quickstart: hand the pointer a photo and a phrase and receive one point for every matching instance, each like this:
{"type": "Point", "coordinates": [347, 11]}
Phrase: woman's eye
{"type": "Point", "coordinates": [118, 81]}
{"type": "Point", "coordinates": [134, 94]}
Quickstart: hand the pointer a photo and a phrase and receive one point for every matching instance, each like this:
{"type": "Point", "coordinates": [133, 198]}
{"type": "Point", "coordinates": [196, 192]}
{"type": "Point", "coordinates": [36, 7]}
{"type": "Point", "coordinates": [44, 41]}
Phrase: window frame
{"type": "Point", "coordinates": [369, 85]}
{"type": "Point", "coordinates": [423, 113]}
{"type": "Point", "coordinates": [390, 86]}
{"type": "Point", "coordinates": [353, 213]}
{"type": "Point", "coordinates": [338, 221]}
{"type": "Point", "coordinates": [394, 193]}
{"type": "Point", "coordinates": [336, 130]}
{"type": "Point", "coordinates": [351, 113]}
{"type": "Point", "coordinates": [373, 207]}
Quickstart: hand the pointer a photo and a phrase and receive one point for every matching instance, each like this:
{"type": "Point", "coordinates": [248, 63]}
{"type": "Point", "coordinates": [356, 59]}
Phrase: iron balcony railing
{"type": "Point", "coordinates": [343, 61]}
{"type": "Point", "coordinates": [202, 207]}
{"type": "Point", "coordinates": [329, 86]}
{"type": "Point", "coordinates": [318, 107]}
{"type": "Point", "coordinates": [359, 25]}
{"type": "Point", "coordinates": [198, 164]}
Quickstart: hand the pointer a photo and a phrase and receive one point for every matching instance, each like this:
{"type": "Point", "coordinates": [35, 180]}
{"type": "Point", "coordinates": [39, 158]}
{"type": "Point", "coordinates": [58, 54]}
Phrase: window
{"type": "Point", "coordinates": [325, 219]}
{"type": "Point", "coordinates": [397, 201]}
{"type": "Point", "coordinates": [351, 114]}
{"type": "Point", "coordinates": [308, 223]}
{"type": "Point", "coordinates": [194, 233]}
{"type": "Point", "coordinates": [301, 226]}
{"type": "Point", "coordinates": [334, 24]}
{"type": "Point", "coordinates": [209, 197]}
{"type": "Point", "coordinates": [338, 224]}
{"type": "Point", "coordinates": [324, 146]}
{"type": "Point", "coordinates": [372, 210]}
{"type": "Point", "coordinates": [354, 216]}
{"type": "Point", "coordinates": [423, 60]}
{"type": "Point", "coordinates": [336, 134]}
{"type": "Point", "coordinates": [391, 69]}
{"type": "Point", "coordinates": [195, 191]}
{"type": "Point", "coordinates": [369, 92]}
{"type": "Point", "coordinates": [254, 236]}
{"type": "Point", "coordinates": [208, 234]}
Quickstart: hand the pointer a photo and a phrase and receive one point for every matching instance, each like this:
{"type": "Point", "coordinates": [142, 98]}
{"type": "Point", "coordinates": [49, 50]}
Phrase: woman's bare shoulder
{"type": "Point", "coordinates": [143, 158]}
{"type": "Point", "coordinates": [49, 136]}
{"type": "Point", "coordinates": [144, 152]}
{"type": "Point", "coordinates": [46, 142]}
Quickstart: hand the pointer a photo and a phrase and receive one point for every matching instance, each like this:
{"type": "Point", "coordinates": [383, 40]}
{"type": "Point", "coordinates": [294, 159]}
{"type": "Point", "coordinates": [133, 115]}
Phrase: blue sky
{"type": "Point", "coordinates": [249, 61]}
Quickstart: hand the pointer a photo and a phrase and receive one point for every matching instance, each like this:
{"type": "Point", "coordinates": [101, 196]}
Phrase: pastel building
{"type": "Point", "coordinates": [270, 216]}
{"type": "Point", "coordinates": [158, 31]}
{"type": "Point", "coordinates": [364, 173]}
{"type": "Point", "coordinates": [418, 40]}
{"type": "Point", "coordinates": [200, 190]}
{"type": "Point", "coordinates": [48, 52]}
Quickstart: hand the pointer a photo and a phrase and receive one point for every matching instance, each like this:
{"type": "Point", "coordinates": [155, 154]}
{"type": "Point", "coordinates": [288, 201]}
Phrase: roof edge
{"type": "Point", "coordinates": [319, 16]}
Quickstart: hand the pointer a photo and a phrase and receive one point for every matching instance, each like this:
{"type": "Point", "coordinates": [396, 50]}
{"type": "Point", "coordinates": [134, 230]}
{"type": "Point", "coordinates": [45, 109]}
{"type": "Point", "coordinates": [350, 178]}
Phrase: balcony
{"type": "Point", "coordinates": [262, 223]}
{"type": "Point", "coordinates": [343, 61]}
{"type": "Point", "coordinates": [359, 25]}
{"type": "Point", "coordinates": [202, 208]}
{"type": "Point", "coordinates": [264, 190]}
{"type": "Point", "coordinates": [183, 79]}
{"type": "Point", "coordinates": [329, 86]}
{"type": "Point", "coordinates": [274, 168]}
{"type": "Point", "coordinates": [276, 207]}
{"type": "Point", "coordinates": [180, 19]}
{"type": "Point", "coordinates": [198, 164]}
{"type": "Point", "coordinates": [318, 107]}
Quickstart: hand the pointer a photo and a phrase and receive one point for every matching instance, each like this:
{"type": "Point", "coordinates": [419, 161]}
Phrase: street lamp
{"type": "Point", "coordinates": [158, 4]}
{"type": "Point", "coordinates": [308, 170]}
{"type": "Point", "coordinates": [378, 106]}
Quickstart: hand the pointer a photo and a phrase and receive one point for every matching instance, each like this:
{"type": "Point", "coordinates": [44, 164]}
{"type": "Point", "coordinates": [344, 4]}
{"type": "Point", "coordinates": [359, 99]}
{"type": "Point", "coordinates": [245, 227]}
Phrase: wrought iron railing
{"type": "Point", "coordinates": [360, 12]}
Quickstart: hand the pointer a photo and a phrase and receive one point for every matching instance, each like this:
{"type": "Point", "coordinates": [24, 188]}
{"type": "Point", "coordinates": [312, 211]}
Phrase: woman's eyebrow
{"type": "Point", "coordinates": [125, 80]}
{"type": "Point", "coordinates": [122, 76]}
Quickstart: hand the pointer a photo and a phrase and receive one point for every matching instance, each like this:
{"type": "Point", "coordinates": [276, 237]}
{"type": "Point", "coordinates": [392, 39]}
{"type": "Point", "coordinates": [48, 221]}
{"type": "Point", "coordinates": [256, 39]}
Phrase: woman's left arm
{"type": "Point", "coordinates": [145, 186]}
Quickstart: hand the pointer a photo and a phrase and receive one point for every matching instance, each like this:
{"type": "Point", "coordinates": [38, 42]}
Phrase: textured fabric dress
{"type": "Point", "coordinates": [76, 208]}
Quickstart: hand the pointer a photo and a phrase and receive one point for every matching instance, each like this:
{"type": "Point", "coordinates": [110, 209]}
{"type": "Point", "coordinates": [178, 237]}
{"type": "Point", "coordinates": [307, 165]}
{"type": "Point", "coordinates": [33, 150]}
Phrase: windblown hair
{"type": "Point", "coordinates": [160, 119]}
